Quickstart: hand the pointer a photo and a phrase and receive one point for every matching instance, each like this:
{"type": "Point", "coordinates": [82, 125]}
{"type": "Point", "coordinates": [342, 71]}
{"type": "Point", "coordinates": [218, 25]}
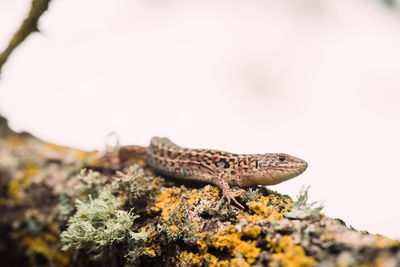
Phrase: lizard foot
{"type": "Point", "coordinates": [231, 196]}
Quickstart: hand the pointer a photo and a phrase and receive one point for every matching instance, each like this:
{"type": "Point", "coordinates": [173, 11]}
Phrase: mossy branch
{"type": "Point", "coordinates": [29, 25]}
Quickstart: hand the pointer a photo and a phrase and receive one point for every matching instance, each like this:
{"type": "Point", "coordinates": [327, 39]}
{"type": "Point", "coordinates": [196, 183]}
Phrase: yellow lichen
{"type": "Point", "coordinates": [17, 185]}
{"type": "Point", "coordinates": [230, 239]}
{"type": "Point", "coordinates": [198, 259]}
{"type": "Point", "coordinates": [166, 201]}
{"type": "Point", "coordinates": [288, 254]}
{"type": "Point", "coordinates": [82, 155]}
{"type": "Point", "coordinates": [174, 228]}
{"type": "Point", "coordinates": [203, 246]}
{"type": "Point", "coordinates": [56, 147]}
{"type": "Point", "coordinates": [45, 245]}
{"type": "Point", "coordinates": [15, 191]}
{"type": "Point", "coordinates": [252, 231]}
{"type": "Point", "coordinates": [150, 252]}
{"type": "Point", "coordinates": [15, 141]}
{"type": "Point", "coordinates": [30, 170]}
{"type": "Point", "coordinates": [378, 262]}
{"type": "Point", "coordinates": [194, 196]}
{"type": "Point", "coordinates": [239, 262]}
{"type": "Point", "coordinates": [213, 192]}
{"type": "Point", "coordinates": [224, 263]}
{"type": "Point", "coordinates": [190, 259]}
{"type": "Point", "coordinates": [3, 201]}
{"type": "Point", "coordinates": [270, 207]}
{"type": "Point", "coordinates": [382, 242]}
{"type": "Point", "coordinates": [150, 242]}
{"type": "Point", "coordinates": [327, 237]}
{"type": "Point", "coordinates": [37, 244]}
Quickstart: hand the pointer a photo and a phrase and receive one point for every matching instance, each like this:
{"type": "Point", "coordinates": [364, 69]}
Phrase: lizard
{"type": "Point", "coordinates": [223, 169]}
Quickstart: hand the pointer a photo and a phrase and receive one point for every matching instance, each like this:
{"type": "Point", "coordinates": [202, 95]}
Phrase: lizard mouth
{"type": "Point", "coordinates": [292, 166]}
{"type": "Point", "coordinates": [291, 170]}
{"type": "Point", "coordinates": [275, 174]}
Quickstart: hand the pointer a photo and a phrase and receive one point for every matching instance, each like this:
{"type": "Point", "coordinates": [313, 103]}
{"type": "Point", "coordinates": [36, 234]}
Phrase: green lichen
{"type": "Point", "coordinates": [302, 209]}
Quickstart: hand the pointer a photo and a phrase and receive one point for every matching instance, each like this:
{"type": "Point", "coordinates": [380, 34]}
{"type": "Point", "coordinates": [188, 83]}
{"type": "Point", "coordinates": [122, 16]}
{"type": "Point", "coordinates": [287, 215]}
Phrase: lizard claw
{"type": "Point", "coordinates": [231, 196]}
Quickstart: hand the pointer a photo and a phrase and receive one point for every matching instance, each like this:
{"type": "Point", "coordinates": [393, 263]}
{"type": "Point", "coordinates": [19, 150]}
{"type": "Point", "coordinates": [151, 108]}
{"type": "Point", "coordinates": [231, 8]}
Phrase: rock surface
{"type": "Point", "coordinates": [61, 207]}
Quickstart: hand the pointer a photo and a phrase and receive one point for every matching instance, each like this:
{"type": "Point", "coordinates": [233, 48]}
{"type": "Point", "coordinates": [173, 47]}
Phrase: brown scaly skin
{"type": "Point", "coordinates": [222, 169]}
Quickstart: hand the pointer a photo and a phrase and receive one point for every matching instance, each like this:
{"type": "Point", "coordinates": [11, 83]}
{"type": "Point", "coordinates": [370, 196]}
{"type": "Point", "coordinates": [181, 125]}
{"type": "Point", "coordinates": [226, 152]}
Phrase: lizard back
{"type": "Point", "coordinates": [194, 164]}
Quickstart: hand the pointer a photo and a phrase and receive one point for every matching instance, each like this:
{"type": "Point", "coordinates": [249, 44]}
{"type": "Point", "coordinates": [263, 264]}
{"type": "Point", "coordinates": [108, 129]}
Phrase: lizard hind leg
{"type": "Point", "coordinates": [227, 193]}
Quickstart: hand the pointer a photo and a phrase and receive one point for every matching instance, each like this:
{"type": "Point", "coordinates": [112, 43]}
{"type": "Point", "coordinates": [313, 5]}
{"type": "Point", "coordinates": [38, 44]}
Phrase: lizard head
{"type": "Point", "coordinates": [271, 169]}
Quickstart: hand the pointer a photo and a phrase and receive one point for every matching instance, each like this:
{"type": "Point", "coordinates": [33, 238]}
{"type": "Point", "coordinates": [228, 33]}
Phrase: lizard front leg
{"type": "Point", "coordinates": [227, 193]}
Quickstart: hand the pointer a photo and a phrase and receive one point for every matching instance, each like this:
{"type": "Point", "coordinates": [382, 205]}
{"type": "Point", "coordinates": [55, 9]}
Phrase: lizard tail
{"type": "Point", "coordinates": [132, 153]}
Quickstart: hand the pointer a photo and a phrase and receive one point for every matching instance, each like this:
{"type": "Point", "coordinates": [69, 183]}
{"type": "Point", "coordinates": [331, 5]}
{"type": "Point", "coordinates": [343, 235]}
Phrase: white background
{"type": "Point", "coordinates": [316, 79]}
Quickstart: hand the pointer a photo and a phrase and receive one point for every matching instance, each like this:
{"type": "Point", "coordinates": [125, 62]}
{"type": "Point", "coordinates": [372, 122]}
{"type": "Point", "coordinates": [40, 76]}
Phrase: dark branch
{"type": "Point", "coordinates": [29, 25]}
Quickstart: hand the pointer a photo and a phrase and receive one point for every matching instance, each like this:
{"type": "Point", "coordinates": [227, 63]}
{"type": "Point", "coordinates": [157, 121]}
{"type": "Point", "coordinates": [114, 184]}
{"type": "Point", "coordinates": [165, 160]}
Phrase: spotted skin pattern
{"type": "Point", "coordinates": [220, 168]}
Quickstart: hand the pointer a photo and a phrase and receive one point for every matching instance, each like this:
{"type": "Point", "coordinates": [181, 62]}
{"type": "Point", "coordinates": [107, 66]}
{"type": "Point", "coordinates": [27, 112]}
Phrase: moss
{"type": "Point", "coordinates": [287, 254]}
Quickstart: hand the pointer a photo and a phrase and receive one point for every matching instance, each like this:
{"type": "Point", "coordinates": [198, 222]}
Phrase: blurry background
{"type": "Point", "coordinates": [316, 79]}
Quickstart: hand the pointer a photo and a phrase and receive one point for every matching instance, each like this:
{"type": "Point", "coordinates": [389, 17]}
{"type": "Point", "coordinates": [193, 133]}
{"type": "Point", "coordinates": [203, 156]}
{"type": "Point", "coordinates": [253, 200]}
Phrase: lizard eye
{"type": "Point", "coordinates": [282, 158]}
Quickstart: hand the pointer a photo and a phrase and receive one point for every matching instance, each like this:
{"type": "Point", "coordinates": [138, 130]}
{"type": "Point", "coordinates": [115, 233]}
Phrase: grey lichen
{"type": "Point", "coordinates": [180, 226]}
{"type": "Point", "coordinates": [100, 225]}
{"type": "Point", "coordinates": [136, 186]}
{"type": "Point", "coordinates": [302, 209]}
{"type": "Point", "coordinates": [251, 194]}
{"type": "Point", "coordinates": [85, 183]}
